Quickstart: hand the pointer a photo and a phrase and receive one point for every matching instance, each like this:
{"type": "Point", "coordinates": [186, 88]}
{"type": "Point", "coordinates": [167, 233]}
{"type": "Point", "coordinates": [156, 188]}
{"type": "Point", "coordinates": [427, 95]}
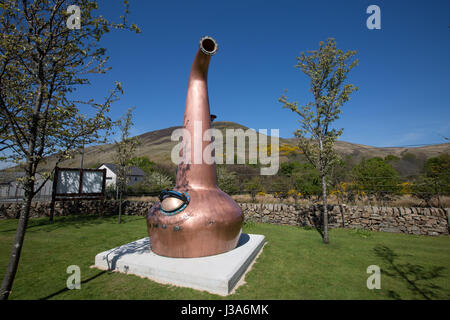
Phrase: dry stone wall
{"type": "Point", "coordinates": [423, 221]}
{"type": "Point", "coordinates": [81, 207]}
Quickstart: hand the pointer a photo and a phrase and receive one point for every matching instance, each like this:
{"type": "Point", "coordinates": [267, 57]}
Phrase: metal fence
{"type": "Point", "coordinates": [11, 189]}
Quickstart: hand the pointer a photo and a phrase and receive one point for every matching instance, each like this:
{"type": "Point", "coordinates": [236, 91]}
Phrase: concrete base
{"type": "Point", "coordinates": [217, 274]}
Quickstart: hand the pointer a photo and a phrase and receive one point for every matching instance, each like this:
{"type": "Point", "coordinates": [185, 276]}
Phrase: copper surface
{"type": "Point", "coordinates": [170, 204]}
{"type": "Point", "coordinates": [211, 222]}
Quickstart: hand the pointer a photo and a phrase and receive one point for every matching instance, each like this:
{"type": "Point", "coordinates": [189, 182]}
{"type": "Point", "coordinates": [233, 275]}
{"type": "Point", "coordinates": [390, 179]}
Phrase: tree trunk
{"type": "Point", "coordinates": [325, 211]}
{"type": "Point", "coordinates": [31, 165]}
{"type": "Point", "coordinates": [343, 215]}
{"type": "Point", "coordinates": [52, 210]}
{"type": "Point", "coordinates": [120, 206]}
{"type": "Point", "coordinates": [52, 203]}
{"type": "Point", "coordinates": [17, 247]}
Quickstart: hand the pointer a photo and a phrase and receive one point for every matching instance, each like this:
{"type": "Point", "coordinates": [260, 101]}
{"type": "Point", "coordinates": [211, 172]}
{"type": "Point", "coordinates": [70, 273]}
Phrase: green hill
{"type": "Point", "coordinates": [157, 145]}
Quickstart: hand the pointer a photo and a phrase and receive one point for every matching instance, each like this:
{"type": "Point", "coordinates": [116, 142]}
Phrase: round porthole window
{"type": "Point", "coordinates": [173, 202]}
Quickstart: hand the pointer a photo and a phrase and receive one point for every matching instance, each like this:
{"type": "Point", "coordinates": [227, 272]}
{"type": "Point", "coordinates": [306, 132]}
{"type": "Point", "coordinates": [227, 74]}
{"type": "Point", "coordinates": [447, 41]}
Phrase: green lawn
{"type": "Point", "coordinates": [293, 265]}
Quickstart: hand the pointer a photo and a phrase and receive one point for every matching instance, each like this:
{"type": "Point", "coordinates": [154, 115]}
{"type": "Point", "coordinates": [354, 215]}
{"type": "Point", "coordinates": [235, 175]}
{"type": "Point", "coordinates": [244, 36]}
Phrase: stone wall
{"type": "Point", "coordinates": [425, 221]}
{"type": "Point", "coordinates": [81, 207]}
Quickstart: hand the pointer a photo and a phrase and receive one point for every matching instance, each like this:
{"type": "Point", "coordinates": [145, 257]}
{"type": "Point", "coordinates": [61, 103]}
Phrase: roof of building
{"type": "Point", "coordinates": [135, 171]}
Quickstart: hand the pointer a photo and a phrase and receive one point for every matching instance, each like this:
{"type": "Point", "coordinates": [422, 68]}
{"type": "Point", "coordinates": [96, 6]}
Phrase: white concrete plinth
{"type": "Point", "coordinates": [216, 274]}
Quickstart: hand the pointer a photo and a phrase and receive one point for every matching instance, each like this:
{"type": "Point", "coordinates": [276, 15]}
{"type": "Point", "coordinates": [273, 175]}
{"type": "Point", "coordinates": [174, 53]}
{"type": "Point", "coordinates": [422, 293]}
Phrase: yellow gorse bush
{"type": "Point", "coordinates": [287, 149]}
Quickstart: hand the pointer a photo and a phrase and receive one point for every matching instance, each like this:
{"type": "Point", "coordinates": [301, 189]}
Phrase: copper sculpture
{"type": "Point", "coordinates": [195, 219]}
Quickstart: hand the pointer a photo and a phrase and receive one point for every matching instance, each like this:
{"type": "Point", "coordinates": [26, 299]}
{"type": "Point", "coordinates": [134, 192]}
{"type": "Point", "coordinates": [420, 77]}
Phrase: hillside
{"type": "Point", "coordinates": [157, 145]}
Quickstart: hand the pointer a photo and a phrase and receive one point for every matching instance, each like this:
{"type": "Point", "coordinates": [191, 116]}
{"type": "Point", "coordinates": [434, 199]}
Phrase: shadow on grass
{"type": "Point", "coordinates": [66, 289]}
{"type": "Point", "coordinates": [136, 247]}
{"type": "Point", "coordinates": [417, 278]}
{"type": "Point", "coordinates": [317, 220]}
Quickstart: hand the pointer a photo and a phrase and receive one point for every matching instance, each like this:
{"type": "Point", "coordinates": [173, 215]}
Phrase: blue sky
{"type": "Point", "coordinates": [403, 71]}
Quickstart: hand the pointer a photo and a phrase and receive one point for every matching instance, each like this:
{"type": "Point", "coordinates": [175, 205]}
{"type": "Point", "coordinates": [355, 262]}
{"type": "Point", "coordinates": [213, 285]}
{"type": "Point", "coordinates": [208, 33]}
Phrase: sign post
{"type": "Point", "coordinates": [78, 184]}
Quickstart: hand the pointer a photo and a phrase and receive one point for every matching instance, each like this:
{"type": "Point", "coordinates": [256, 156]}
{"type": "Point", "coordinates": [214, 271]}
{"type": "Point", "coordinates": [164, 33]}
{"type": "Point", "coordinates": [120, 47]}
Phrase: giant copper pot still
{"type": "Point", "coordinates": [196, 218]}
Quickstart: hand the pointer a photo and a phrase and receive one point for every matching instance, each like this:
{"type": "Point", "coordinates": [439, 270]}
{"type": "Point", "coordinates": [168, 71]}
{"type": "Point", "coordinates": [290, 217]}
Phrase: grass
{"type": "Point", "coordinates": [294, 264]}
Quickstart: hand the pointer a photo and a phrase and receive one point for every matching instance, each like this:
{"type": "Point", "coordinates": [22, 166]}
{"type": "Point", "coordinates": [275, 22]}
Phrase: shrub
{"type": "Point", "coordinates": [253, 186]}
{"type": "Point", "coordinates": [227, 180]}
{"type": "Point", "coordinates": [157, 181]}
{"type": "Point", "coordinates": [376, 178]}
{"type": "Point", "coordinates": [110, 191]}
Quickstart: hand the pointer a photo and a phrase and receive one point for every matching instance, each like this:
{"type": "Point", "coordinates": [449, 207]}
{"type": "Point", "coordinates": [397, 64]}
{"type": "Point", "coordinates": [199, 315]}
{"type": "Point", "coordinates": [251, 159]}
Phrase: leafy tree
{"type": "Point", "coordinates": [143, 163]}
{"type": "Point", "coordinates": [158, 181]}
{"type": "Point", "coordinates": [376, 177]}
{"type": "Point", "coordinates": [338, 177]}
{"type": "Point", "coordinates": [307, 181]}
{"type": "Point", "coordinates": [437, 169]}
{"type": "Point", "coordinates": [327, 68]}
{"type": "Point", "coordinates": [253, 186]}
{"type": "Point", "coordinates": [391, 158]}
{"type": "Point", "coordinates": [168, 169]}
{"type": "Point", "coordinates": [110, 191]}
{"type": "Point", "coordinates": [227, 180]}
{"type": "Point", "coordinates": [289, 168]}
{"type": "Point", "coordinates": [339, 172]}
{"type": "Point", "coordinates": [42, 62]}
{"type": "Point", "coordinates": [280, 186]}
{"type": "Point", "coordinates": [423, 189]}
{"type": "Point", "coordinates": [244, 173]}
{"type": "Point", "coordinates": [125, 149]}
{"type": "Point", "coordinates": [411, 157]}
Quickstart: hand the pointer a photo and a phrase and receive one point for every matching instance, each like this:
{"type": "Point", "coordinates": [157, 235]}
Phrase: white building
{"type": "Point", "coordinates": [136, 174]}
